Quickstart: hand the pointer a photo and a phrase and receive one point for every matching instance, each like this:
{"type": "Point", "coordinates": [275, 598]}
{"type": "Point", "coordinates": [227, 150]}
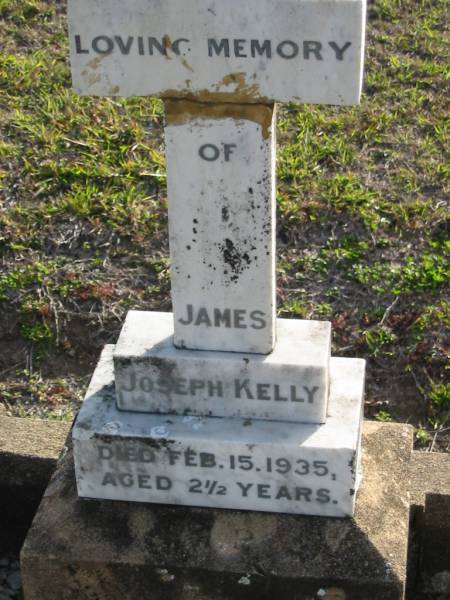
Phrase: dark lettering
{"type": "Point", "coordinates": [294, 395]}
{"type": "Point", "coordinates": [126, 479]}
{"type": "Point", "coordinates": [244, 488]}
{"type": "Point", "coordinates": [209, 152]}
{"type": "Point", "coordinates": [105, 452]}
{"type": "Point", "coordinates": [132, 384]}
{"type": "Point", "coordinates": [207, 459]}
{"type": "Point", "coordinates": [189, 458]}
{"type": "Point", "coordinates": [215, 389]}
{"type": "Point", "coordinates": [124, 48]}
{"type": "Point", "coordinates": [145, 455]}
{"type": "Point", "coordinates": [222, 317]}
{"type": "Point", "coordinates": [154, 43]}
{"type": "Point", "coordinates": [146, 384]}
{"type": "Point", "coordinates": [227, 151]}
{"type": "Point", "coordinates": [130, 454]}
{"type": "Point", "coordinates": [310, 393]}
{"type": "Point", "coordinates": [190, 315]}
{"type": "Point", "coordinates": [323, 495]}
{"type": "Point", "coordinates": [339, 51]}
{"type": "Point", "coordinates": [257, 316]}
{"type": "Point", "coordinates": [203, 318]}
{"type": "Point", "coordinates": [277, 396]}
{"type": "Point", "coordinates": [143, 482]}
{"type": "Point", "coordinates": [176, 45]}
{"type": "Point", "coordinates": [103, 39]}
{"type": "Point", "coordinates": [174, 455]}
{"type": "Point", "coordinates": [239, 316]}
{"type": "Point", "coordinates": [179, 386]}
{"type": "Point", "coordinates": [261, 391]}
{"type": "Point", "coordinates": [164, 386]}
{"type": "Point", "coordinates": [256, 48]}
{"type": "Point", "coordinates": [263, 490]}
{"type": "Point", "coordinates": [312, 48]}
{"type": "Point", "coordinates": [223, 46]}
{"type": "Point", "coordinates": [242, 385]}
{"type": "Point", "coordinates": [283, 492]}
{"type": "Point", "coordinates": [122, 453]}
{"type": "Point", "coordinates": [141, 45]}
{"type": "Point", "coordinates": [303, 492]}
{"type": "Point", "coordinates": [163, 483]}
{"type": "Point", "coordinates": [78, 46]}
{"type": "Point", "coordinates": [292, 53]}
{"type": "Point", "coordinates": [109, 479]}
{"type": "Point", "coordinates": [194, 385]}
{"type": "Point", "coordinates": [239, 49]}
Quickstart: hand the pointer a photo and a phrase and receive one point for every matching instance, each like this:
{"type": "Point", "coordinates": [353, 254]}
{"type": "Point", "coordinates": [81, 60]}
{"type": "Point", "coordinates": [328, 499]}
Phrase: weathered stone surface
{"type": "Point", "coordinates": [225, 51]}
{"type": "Point", "coordinates": [221, 201]}
{"type": "Point", "coordinates": [28, 452]}
{"type": "Point", "coordinates": [83, 549]}
{"type": "Point", "coordinates": [290, 384]}
{"type": "Point", "coordinates": [429, 473]}
{"type": "Point", "coordinates": [222, 462]}
{"type": "Point", "coordinates": [29, 449]}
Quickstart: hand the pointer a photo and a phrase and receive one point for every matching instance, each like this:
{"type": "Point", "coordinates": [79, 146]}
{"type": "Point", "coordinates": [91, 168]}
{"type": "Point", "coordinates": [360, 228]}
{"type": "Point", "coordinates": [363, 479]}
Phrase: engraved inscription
{"type": "Point", "coordinates": [104, 44]}
{"type": "Point", "coordinates": [294, 479]}
{"type": "Point", "coordinates": [241, 389]}
{"type": "Point", "coordinates": [211, 152]}
{"type": "Point", "coordinates": [227, 317]}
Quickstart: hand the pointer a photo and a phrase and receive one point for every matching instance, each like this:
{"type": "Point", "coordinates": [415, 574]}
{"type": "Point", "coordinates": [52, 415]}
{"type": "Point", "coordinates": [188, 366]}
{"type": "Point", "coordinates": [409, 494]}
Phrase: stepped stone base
{"type": "Point", "coordinates": [213, 462]}
{"type": "Point", "coordinates": [83, 549]}
{"type": "Point", "coordinates": [290, 384]}
{"type": "Point", "coordinates": [28, 452]}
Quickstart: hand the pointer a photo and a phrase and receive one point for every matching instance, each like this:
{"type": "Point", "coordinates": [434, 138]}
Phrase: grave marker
{"type": "Point", "coordinates": [220, 404]}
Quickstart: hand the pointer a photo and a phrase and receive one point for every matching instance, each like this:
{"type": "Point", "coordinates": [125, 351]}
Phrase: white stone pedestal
{"type": "Point", "coordinates": [290, 384]}
{"type": "Point", "coordinates": [221, 199]}
{"type": "Point", "coordinates": [219, 462]}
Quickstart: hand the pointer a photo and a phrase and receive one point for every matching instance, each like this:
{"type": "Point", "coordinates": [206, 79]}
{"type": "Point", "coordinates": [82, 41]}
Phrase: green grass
{"type": "Point", "coordinates": [363, 216]}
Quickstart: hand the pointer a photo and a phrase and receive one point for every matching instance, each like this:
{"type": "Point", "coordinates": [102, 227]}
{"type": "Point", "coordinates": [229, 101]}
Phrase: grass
{"type": "Point", "coordinates": [363, 216]}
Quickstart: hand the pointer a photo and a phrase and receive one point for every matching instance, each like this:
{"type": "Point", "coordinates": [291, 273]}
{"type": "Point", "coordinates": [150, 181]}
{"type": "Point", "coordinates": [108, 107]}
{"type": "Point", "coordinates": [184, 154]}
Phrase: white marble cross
{"type": "Point", "coordinates": [223, 64]}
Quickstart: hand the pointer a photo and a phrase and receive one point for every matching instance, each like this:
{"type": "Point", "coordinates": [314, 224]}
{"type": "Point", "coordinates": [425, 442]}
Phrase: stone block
{"type": "Point", "coordinates": [219, 462]}
{"type": "Point", "coordinates": [28, 452]}
{"type": "Point", "coordinates": [430, 474]}
{"type": "Point", "coordinates": [221, 201]}
{"type": "Point", "coordinates": [29, 449]}
{"type": "Point", "coordinates": [79, 549]}
{"type": "Point", "coordinates": [436, 535]}
{"type": "Point", "coordinates": [290, 384]}
{"type": "Point", "coordinates": [231, 51]}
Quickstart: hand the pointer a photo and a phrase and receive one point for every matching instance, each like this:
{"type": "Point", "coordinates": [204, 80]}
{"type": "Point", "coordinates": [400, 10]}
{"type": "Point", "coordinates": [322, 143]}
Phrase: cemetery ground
{"type": "Point", "coordinates": [362, 223]}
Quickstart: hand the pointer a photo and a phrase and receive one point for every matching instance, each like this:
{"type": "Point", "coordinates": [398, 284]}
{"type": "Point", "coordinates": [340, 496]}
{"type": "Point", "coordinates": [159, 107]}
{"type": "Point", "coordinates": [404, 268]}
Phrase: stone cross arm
{"type": "Point", "coordinates": [244, 51]}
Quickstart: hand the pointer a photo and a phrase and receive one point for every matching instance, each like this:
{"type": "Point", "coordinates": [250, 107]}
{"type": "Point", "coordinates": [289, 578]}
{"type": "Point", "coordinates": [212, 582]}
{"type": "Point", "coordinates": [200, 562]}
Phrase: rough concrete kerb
{"type": "Point", "coordinates": [291, 556]}
{"type": "Point", "coordinates": [29, 449]}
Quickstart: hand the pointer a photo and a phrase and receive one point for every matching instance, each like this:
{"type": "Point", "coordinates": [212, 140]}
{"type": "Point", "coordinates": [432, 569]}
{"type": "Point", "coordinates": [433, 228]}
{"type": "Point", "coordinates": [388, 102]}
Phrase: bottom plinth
{"type": "Point", "coordinates": [247, 464]}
